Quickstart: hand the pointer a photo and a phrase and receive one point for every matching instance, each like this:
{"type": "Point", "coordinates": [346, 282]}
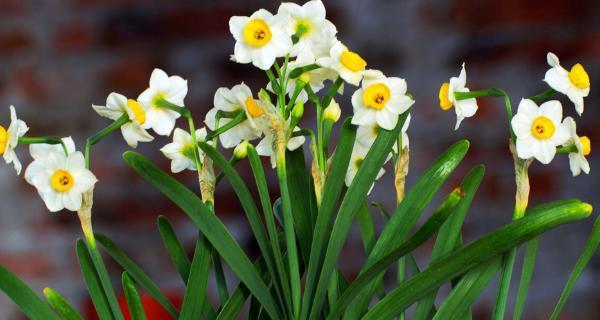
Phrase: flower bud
{"type": "Point", "coordinates": [304, 78]}
{"type": "Point", "coordinates": [332, 112]}
{"type": "Point", "coordinates": [241, 150]}
{"type": "Point", "coordinates": [298, 110]}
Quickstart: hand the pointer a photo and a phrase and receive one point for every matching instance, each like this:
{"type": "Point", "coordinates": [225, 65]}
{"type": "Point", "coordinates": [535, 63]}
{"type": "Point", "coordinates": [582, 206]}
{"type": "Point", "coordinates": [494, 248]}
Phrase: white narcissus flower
{"type": "Point", "coordinates": [575, 83]}
{"type": "Point", "coordinates": [260, 38]}
{"type": "Point", "coordinates": [359, 152]}
{"type": "Point", "coordinates": [181, 150]}
{"type": "Point", "coordinates": [265, 146]}
{"type": "Point", "coordinates": [9, 139]}
{"type": "Point", "coordinates": [61, 180]}
{"type": "Point", "coordinates": [41, 150]}
{"type": "Point", "coordinates": [577, 160]}
{"type": "Point", "coordinates": [170, 88]}
{"type": "Point", "coordinates": [539, 130]}
{"type": "Point", "coordinates": [316, 33]}
{"type": "Point", "coordinates": [237, 99]}
{"type": "Point", "coordinates": [366, 135]}
{"type": "Point", "coordinates": [134, 130]}
{"type": "Point", "coordinates": [464, 108]}
{"type": "Point", "coordinates": [380, 101]}
{"type": "Point", "coordinates": [349, 65]}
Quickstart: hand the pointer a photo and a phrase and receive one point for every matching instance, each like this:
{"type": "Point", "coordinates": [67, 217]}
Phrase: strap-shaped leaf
{"type": "Point", "coordinates": [590, 248]}
{"type": "Point", "coordinates": [449, 233]}
{"type": "Point", "coordinates": [526, 274]}
{"type": "Point", "coordinates": [134, 302]}
{"type": "Point", "coordinates": [425, 232]}
{"type": "Point", "coordinates": [234, 305]}
{"type": "Point", "coordinates": [92, 282]}
{"type": "Point", "coordinates": [474, 254]}
{"type": "Point", "coordinates": [195, 290]}
{"type": "Point", "coordinates": [29, 302]}
{"type": "Point", "coordinates": [61, 305]}
{"type": "Point", "coordinates": [407, 214]}
{"type": "Point", "coordinates": [210, 226]}
{"type": "Point", "coordinates": [174, 248]}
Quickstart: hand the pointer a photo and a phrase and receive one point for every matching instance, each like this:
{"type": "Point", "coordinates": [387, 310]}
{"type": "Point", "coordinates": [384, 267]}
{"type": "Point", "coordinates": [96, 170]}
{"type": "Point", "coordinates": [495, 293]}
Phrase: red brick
{"type": "Point", "coordinates": [15, 40]}
{"type": "Point", "coordinates": [74, 37]}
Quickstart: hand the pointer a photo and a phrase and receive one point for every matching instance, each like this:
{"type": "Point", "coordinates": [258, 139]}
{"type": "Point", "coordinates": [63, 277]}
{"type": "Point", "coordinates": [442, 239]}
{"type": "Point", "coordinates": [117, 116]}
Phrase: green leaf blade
{"type": "Point", "coordinates": [134, 301]}
{"type": "Point", "coordinates": [61, 305]}
{"type": "Point", "coordinates": [195, 290]}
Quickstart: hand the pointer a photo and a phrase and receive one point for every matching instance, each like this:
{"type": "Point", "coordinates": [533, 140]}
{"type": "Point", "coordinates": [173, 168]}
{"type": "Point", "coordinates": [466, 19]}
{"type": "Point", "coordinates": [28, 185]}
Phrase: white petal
{"type": "Point", "coordinates": [467, 107]}
{"type": "Point", "coordinates": [386, 119]}
{"type": "Point", "coordinates": [546, 153]}
{"type": "Point", "coordinates": [72, 200]}
{"type": "Point", "coordinates": [462, 77]}
{"type": "Point", "coordinates": [236, 26]}
{"type": "Point", "coordinates": [53, 201]}
{"type": "Point", "coordinates": [33, 170]}
{"type": "Point", "coordinates": [164, 123]}
{"type": "Point", "coordinates": [132, 133]}
{"type": "Point", "coordinates": [552, 110]}
{"type": "Point", "coordinates": [75, 161]}
{"type": "Point", "coordinates": [264, 58]}
{"type": "Point", "coordinates": [178, 165]}
{"type": "Point", "coordinates": [558, 79]}
{"type": "Point", "coordinates": [521, 125]}
{"type": "Point", "coordinates": [314, 9]}
{"type": "Point", "coordinates": [84, 180]}
{"type": "Point", "coordinates": [561, 135]}
{"type": "Point", "coordinates": [528, 108]}
{"type": "Point", "coordinates": [525, 147]}
{"type": "Point", "coordinates": [242, 53]}
{"type": "Point", "coordinates": [552, 59]}
{"type": "Point", "coordinates": [159, 80]}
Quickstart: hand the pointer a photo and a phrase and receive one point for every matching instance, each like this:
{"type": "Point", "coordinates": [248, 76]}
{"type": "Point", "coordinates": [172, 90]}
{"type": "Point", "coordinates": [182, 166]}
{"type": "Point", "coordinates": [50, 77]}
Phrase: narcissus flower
{"type": "Point", "coordinates": [349, 65]}
{"type": "Point", "coordinates": [577, 160]}
{"type": "Point", "coordinates": [575, 83]}
{"type": "Point", "coordinates": [539, 130]}
{"type": "Point", "coordinates": [265, 146]}
{"type": "Point", "coordinates": [359, 152]}
{"type": "Point", "coordinates": [380, 101]}
{"type": "Point", "coordinates": [260, 38]}
{"type": "Point", "coordinates": [61, 180]}
{"type": "Point", "coordinates": [133, 131]}
{"type": "Point", "coordinates": [366, 135]}
{"type": "Point", "coordinates": [181, 150]}
{"type": "Point", "coordinates": [41, 150]}
{"type": "Point", "coordinates": [464, 108]}
{"type": "Point", "coordinates": [315, 33]}
{"type": "Point", "coordinates": [170, 88]}
{"type": "Point", "coordinates": [9, 139]}
{"type": "Point", "coordinates": [237, 99]}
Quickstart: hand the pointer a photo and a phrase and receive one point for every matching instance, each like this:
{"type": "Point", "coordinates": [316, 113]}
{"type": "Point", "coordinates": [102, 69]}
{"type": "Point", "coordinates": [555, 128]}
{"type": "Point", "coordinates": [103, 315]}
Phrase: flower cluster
{"type": "Point", "coordinates": [539, 131]}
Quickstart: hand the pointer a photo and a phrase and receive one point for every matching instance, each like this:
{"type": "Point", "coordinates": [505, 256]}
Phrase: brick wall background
{"type": "Point", "coordinates": [57, 57]}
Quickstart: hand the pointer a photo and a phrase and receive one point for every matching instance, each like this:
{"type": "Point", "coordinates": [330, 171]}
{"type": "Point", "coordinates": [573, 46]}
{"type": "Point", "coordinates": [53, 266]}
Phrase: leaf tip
{"type": "Point", "coordinates": [587, 208]}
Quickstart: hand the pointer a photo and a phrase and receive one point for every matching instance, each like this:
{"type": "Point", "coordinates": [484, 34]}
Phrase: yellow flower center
{"type": "Point", "coordinates": [352, 61]}
{"type": "Point", "coordinates": [303, 28]}
{"type": "Point", "coordinates": [253, 107]}
{"type": "Point", "coordinates": [257, 33]}
{"type": "Point", "coordinates": [445, 103]}
{"type": "Point", "coordinates": [138, 112]}
{"type": "Point", "coordinates": [62, 181]}
{"type": "Point", "coordinates": [542, 128]}
{"type": "Point", "coordinates": [3, 139]}
{"type": "Point", "coordinates": [579, 77]}
{"type": "Point", "coordinates": [376, 96]}
{"type": "Point", "coordinates": [586, 144]}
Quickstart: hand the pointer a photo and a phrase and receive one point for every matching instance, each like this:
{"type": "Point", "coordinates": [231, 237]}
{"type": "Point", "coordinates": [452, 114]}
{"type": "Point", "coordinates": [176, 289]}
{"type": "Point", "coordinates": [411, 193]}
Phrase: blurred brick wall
{"type": "Point", "coordinates": [59, 57]}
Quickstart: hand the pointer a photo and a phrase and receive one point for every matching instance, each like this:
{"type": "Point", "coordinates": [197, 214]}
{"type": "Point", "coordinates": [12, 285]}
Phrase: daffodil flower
{"type": "Point", "coordinates": [315, 33]}
{"type": "Point", "coordinates": [366, 135]}
{"type": "Point", "coordinates": [9, 139]}
{"type": "Point", "coordinates": [359, 152]}
{"type": "Point", "coordinates": [575, 83]}
{"type": "Point", "coordinates": [134, 130]}
{"type": "Point", "coordinates": [61, 180]}
{"type": "Point", "coordinates": [260, 38]}
{"type": "Point", "coordinates": [266, 145]}
{"type": "Point", "coordinates": [379, 101]}
{"type": "Point", "coordinates": [539, 130]}
{"type": "Point", "coordinates": [349, 65]}
{"type": "Point", "coordinates": [170, 88]}
{"type": "Point", "coordinates": [181, 150]}
{"type": "Point", "coordinates": [464, 108]}
{"type": "Point", "coordinates": [577, 160]}
{"type": "Point", "coordinates": [237, 99]}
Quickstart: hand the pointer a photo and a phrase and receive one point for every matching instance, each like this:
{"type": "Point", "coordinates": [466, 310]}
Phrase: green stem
{"type": "Point", "coordinates": [543, 96]}
{"type": "Point", "coordinates": [315, 99]}
{"type": "Point", "coordinates": [300, 70]}
{"type": "Point", "coordinates": [566, 149]}
{"type": "Point", "coordinates": [491, 92]}
{"type": "Point", "coordinates": [101, 134]}
{"type": "Point", "coordinates": [44, 140]}
{"type": "Point", "coordinates": [272, 79]}
{"type": "Point", "coordinates": [234, 122]}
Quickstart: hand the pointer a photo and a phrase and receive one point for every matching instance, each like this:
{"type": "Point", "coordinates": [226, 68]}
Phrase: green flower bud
{"type": "Point", "coordinates": [241, 150]}
{"type": "Point", "coordinates": [298, 110]}
{"type": "Point", "coordinates": [332, 112]}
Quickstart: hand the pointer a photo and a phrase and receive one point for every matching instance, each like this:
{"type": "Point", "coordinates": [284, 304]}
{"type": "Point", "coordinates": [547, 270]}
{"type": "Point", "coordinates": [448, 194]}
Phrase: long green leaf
{"type": "Point", "coordinates": [174, 248]}
{"type": "Point", "coordinates": [234, 305]}
{"type": "Point", "coordinates": [425, 232]}
{"type": "Point", "coordinates": [407, 213]}
{"type": "Point", "coordinates": [449, 233]}
{"type": "Point", "coordinates": [470, 286]}
{"type": "Point", "coordinates": [105, 281]}
{"type": "Point", "coordinates": [134, 302]}
{"type": "Point", "coordinates": [136, 273]}
{"type": "Point", "coordinates": [27, 300]}
{"type": "Point", "coordinates": [92, 282]}
{"type": "Point", "coordinates": [526, 274]}
{"type": "Point", "coordinates": [360, 186]}
{"type": "Point", "coordinates": [196, 286]}
{"type": "Point", "coordinates": [212, 228]}
{"type": "Point", "coordinates": [590, 248]}
{"type": "Point", "coordinates": [474, 254]}
{"type": "Point", "coordinates": [331, 193]}
{"type": "Point", "coordinates": [61, 305]}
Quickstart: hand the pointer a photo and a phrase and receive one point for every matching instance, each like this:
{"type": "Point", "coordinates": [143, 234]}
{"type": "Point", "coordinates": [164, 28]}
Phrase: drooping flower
{"type": "Point", "coordinates": [181, 150]}
{"type": "Point", "coordinates": [61, 180]}
{"type": "Point", "coordinates": [464, 108]}
{"type": "Point", "coordinates": [577, 160]}
{"type": "Point", "coordinates": [260, 38]}
{"type": "Point", "coordinates": [170, 88]}
{"type": "Point", "coordinates": [349, 65]}
{"type": "Point", "coordinates": [575, 83]}
{"type": "Point", "coordinates": [539, 130]}
{"type": "Point", "coordinates": [134, 130]}
{"type": "Point", "coordinates": [9, 139]}
{"type": "Point", "coordinates": [380, 101]}
{"type": "Point", "coordinates": [315, 33]}
{"type": "Point", "coordinates": [237, 99]}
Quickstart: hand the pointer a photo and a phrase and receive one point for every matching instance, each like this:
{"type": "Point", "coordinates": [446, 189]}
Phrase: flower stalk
{"type": "Point", "coordinates": [101, 134]}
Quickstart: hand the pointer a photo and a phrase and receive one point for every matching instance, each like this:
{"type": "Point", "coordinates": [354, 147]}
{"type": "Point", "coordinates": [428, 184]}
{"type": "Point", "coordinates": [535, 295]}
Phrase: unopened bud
{"type": "Point", "coordinates": [332, 112]}
{"type": "Point", "coordinates": [304, 78]}
{"type": "Point", "coordinates": [298, 110]}
{"type": "Point", "coordinates": [241, 150]}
